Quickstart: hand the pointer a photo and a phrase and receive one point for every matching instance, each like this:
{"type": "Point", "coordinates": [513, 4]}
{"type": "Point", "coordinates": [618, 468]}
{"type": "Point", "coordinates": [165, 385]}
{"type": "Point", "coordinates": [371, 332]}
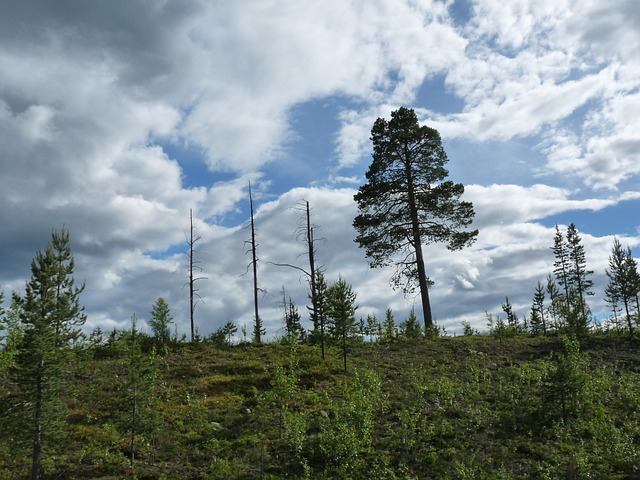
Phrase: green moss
{"type": "Point", "coordinates": [465, 407]}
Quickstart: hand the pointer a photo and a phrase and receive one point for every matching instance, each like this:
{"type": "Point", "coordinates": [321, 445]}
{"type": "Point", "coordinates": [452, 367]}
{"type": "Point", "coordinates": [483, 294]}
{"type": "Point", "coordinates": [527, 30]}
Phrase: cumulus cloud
{"type": "Point", "coordinates": [608, 151]}
{"type": "Point", "coordinates": [91, 95]}
{"type": "Point", "coordinates": [512, 204]}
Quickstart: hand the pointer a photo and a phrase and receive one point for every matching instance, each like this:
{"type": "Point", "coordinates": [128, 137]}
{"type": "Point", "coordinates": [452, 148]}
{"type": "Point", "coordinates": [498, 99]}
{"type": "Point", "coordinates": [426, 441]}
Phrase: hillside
{"type": "Point", "coordinates": [476, 407]}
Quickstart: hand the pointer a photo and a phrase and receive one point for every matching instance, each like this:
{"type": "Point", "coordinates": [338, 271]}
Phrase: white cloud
{"type": "Point", "coordinates": [604, 29]}
{"type": "Point", "coordinates": [87, 94]}
{"type": "Point", "coordinates": [517, 24]}
{"type": "Point", "coordinates": [613, 155]}
{"type": "Point", "coordinates": [530, 66]}
{"type": "Point", "coordinates": [512, 204]}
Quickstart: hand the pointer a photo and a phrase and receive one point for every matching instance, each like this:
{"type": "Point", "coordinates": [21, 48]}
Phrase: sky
{"type": "Point", "coordinates": [118, 117]}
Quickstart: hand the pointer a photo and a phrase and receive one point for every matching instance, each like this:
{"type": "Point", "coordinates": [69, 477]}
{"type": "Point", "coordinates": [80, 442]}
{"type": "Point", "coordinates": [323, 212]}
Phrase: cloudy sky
{"type": "Point", "coordinates": [117, 117]}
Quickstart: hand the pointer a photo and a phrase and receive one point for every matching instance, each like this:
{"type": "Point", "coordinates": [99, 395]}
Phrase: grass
{"type": "Point", "coordinates": [476, 407]}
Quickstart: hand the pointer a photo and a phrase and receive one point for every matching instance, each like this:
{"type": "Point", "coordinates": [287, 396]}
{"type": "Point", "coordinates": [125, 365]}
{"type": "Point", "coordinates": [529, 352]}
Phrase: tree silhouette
{"type": "Point", "coordinates": [408, 201]}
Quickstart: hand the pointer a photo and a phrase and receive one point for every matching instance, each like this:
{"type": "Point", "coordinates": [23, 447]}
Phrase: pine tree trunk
{"type": "Point", "coordinates": [132, 440]}
{"type": "Point", "coordinates": [37, 451]}
{"type": "Point", "coordinates": [424, 288]}
{"type": "Point", "coordinates": [417, 245]}
{"type": "Point", "coordinates": [628, 313]}
{"type": "Point", "coordinates": [344, 347]}
{"type": "Point", "coordinates": [37, 434]}
{"type": "Point", "coordinates": [257, 333]}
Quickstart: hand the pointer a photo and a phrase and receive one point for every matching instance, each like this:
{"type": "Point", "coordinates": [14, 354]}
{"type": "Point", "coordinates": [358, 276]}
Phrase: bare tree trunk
{"type": "Point", "coordinates": [257, 331]}
{"type": "Point", "coordinates": [192, 239]}
{"type": "Point", "coordinates": [312, 268]}
{"type": "Point", "coordinates": [307, 233]}
{"type": "Point", "coordinates": [312, 278]}
{"type": "Point", "coordinates": [191, 288]}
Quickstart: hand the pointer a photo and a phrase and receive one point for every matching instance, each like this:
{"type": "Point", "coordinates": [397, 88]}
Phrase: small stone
{"type": "Point", "coordinates": [216, 426]}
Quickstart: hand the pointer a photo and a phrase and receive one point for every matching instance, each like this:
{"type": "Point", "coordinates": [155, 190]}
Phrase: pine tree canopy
{"type": "Point", "coordinates": [407, 201]}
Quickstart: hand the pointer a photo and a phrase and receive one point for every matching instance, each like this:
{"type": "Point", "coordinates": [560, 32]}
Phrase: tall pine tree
{"type": "Point", "coordinates": [573, 278]}
{"type": "Point", "coordinates": [561, 268]}
{"type": "Point", "coordinates": [408, 202]}
{"type": "Point", "coordinates": [580, 282]}
{"type": "Point", "coordinates": [51, 315]}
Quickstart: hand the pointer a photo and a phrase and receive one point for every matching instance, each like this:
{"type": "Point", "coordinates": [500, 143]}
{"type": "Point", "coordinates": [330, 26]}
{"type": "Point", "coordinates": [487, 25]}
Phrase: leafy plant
{"type": "Point", "coordinates": [567, 387]}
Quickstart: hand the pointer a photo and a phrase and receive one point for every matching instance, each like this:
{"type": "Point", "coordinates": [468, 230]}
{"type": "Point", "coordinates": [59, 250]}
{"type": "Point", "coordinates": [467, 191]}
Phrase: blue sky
{"type": "Point", "coordinates": [117, 118]}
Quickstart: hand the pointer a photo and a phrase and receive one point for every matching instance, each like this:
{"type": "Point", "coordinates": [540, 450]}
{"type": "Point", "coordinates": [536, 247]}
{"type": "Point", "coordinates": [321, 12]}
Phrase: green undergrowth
{"type": "Point", "coordinates": [476, 407]}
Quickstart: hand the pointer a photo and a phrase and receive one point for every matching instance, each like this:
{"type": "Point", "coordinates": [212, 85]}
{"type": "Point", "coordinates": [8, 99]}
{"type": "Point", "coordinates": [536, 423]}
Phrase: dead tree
{"type": "Point", "coordinates": [317, 310]}
{"type": "Point", "coordinates": [258, 329]}
{"type": "Point", "coordinates": [312, 259]}
{"type": "Point", "coordinates": [192, 239]}
{"type": "Point", "coordinates": [306, 232]}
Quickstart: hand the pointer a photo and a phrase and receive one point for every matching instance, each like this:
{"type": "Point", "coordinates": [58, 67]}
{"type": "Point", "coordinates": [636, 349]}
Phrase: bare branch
{"type": "Point", "coordinates": [290, 266]}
